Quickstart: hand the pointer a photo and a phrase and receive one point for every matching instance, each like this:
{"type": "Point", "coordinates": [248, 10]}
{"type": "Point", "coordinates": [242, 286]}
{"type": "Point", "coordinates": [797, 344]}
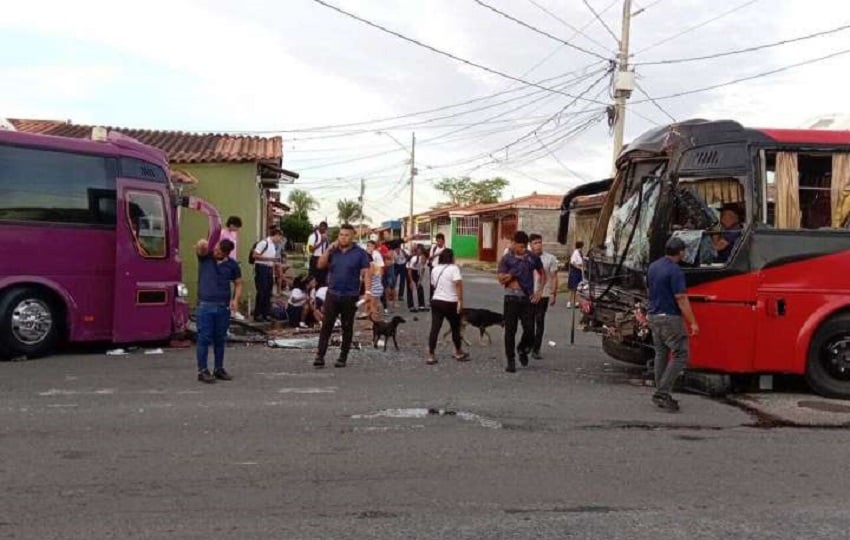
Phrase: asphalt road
{"type": "Point", "coordinates": [95, 446]}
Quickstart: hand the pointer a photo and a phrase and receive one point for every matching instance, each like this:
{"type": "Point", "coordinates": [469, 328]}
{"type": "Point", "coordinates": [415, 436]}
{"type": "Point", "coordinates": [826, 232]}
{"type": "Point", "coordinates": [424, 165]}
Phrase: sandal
{"type": "Point", "coordinates": [462, 358]}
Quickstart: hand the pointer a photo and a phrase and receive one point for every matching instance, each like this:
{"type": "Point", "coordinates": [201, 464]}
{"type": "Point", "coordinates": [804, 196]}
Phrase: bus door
{"type": "Point", "coordinates": [145, 274]}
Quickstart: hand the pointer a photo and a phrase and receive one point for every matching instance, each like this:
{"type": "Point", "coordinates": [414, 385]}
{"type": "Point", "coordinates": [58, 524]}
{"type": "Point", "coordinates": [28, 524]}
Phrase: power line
{"type": "Point", "coordinates": [537, 30]}
{"type": "Point", "coordinates": [654, 102]}
{"type": "Point", "coordinates": [440, 51]}
{"type": "Point", "coordinates": [749, 78]}
{"type": "Point", "coordinates": [696, 26]}
{"type": "Point", "coordinates": [578, 31]}
{"type": "Point", "coordinates": [601, 21]}
{"type": "Point", "coordinates": [746, 50]}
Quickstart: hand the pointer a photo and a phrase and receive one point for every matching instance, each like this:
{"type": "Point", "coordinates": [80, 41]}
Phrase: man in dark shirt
{"type": "Point", "coordinates": [348, 267]}
{"type": "Point", "coordinates": [730, 232]}
{"type": "Point", "coordinates": [516, 275]}
{"type": "Point", "coordinates": [216, 271]}
{"type": "Point", "coordinates": [668, 302]}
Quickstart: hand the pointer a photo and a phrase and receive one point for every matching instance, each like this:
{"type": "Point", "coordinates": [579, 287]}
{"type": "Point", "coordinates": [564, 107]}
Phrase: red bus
{"type": "Point", "coordinates": [89, 243]}
{"type": "Point", "coordinates": [772, 297]}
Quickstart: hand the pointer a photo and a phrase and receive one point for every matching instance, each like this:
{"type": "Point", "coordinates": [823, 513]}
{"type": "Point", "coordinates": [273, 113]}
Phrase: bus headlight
{"type": "Point", "coordinates": [182, 290]}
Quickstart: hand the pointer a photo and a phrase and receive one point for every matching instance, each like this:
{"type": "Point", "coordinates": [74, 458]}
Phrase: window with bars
{"type": "Point", "coordinates": [466, 226]}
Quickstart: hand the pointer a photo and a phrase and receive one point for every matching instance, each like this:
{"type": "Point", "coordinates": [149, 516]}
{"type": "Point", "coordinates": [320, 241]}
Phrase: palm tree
{"type": "Point", "coordinates": [302, 202]}
{"type": "Point", "coordinates": [349, 211]}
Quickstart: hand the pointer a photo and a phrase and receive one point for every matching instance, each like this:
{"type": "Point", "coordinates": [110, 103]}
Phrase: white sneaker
{"type": "Point", "coordinates": [238, 316]}
{"type": "Point", "coordinates": [303, 325]}
{"type": "Point", "coordinates": [338, 323]}
{"type": "Point", "coordinates": [569, 305]}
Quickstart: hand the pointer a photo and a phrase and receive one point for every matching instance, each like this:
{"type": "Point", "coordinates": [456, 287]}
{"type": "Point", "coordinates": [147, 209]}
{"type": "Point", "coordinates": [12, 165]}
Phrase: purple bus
{"type": "Point", "coordinates": [88, 243]}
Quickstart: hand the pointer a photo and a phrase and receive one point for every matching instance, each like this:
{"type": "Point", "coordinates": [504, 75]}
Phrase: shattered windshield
{"type": "Point", "coordinates": [628, 238]}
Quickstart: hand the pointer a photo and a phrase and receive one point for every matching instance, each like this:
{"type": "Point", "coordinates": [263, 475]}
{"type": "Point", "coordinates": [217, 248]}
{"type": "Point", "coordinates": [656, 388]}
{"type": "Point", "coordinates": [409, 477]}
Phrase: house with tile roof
{"type": "Point", "coordinates": [483, 231]}
{"type": "Point", "coordinates": [235, 173]}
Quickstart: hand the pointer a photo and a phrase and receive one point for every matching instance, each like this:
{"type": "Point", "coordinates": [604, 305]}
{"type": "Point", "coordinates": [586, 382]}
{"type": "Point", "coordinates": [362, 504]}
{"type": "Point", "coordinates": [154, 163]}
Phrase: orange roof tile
{"type": "Point", "coordinates": [180, 146]}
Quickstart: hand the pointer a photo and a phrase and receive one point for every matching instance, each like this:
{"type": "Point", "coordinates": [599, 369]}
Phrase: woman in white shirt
{"type": "Point", "coordinates": [447, 303]}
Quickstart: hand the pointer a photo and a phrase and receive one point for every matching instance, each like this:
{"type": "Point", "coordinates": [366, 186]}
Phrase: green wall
{"type": "Point", "coordinates": [232, 189]}
{"type": "Point", "coordinates": [464, 247]}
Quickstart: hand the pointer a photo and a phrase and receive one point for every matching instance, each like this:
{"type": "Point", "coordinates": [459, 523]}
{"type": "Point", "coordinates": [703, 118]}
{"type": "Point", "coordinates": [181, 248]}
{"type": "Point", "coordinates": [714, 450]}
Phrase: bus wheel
{"type": "Point", "coordinates": [29, 322]}
{"type": "Point", "coordinates": [828, 364]}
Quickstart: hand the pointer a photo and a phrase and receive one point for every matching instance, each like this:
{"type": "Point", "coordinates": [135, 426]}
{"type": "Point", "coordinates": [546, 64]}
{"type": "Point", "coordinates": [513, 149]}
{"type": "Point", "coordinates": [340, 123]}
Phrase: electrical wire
{"type": "Point", "coordinates": [440, 51]}
{"type": "Point", "coordinates": [745, 50]}
{"type": "Point", "coordinates": [538, 30]}
{"type": "Point", "coordinates": [695, 27]}
{"type": "Point", "coordinates": [601, 21]}
{"type": "Point", "coordinates": [578, 31]}
{"type": "Point", "coordinates": [654, 102]}
{"type": "Point", "coordinates": [749, 78]}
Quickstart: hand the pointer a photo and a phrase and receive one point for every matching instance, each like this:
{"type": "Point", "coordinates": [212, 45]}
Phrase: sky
{"type": "Point", "coordinates": [301, 70]}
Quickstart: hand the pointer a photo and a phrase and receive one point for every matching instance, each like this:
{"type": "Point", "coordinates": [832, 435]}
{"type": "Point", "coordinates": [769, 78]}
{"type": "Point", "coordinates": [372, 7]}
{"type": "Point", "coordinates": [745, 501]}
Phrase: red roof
{"type": "Point", "coordinates": [807, 136]}
{"type": "Point", "coordinates": [180, 146]}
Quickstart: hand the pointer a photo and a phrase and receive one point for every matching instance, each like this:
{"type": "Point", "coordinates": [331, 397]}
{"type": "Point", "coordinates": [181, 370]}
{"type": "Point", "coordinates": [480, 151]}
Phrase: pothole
{"type": "Point", "coordinates": [423, 412]}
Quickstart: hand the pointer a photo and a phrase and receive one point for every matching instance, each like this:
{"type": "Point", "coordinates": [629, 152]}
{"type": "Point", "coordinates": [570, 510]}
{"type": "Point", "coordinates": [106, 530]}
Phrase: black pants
{"type": "Point", "coordinates": [320, 275]}
{"type": "Point", "coordinates": [344, 307]}
{"type": "Point", "coordinates": [540, 309]}
{"type": "Point", "coordinates": [420, 293]}
{"type": "Point", "coordinates": [518, 310]}
{"type": "Point", "coordinates": [264, 282]}
{"type": "Point", "coordinates": [440, 310]}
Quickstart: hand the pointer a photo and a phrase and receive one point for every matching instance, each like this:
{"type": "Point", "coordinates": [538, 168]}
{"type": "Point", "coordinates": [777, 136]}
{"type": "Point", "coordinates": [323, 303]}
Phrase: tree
{"type": "Point", "coordinates": [349, 211]}
{"type": "Point", "coordinates": [465, 191]}
{"type": "Point", "coordinates": [296, 227]}
{"type": "Point", "coordinates": [302, 203]}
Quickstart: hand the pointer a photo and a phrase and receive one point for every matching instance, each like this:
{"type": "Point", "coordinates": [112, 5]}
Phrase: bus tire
{"type": "Point", "coordinates": [624, 352]}
{"type": "Point", "coordinates": [30, 323]}
{"type": "Point", "coordinates": [828, 361]}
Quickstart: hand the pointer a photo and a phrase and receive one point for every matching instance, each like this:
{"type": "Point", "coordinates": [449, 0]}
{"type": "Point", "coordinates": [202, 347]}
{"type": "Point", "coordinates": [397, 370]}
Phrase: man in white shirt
{"type": "Point", "coordinates": [433, 255]}
{"type": "Point", "coordinates": [265, 257]}
{"type": "Point", "coordinates": [550, 291]}
{"type": "Point", "coordinates": [317, 244]}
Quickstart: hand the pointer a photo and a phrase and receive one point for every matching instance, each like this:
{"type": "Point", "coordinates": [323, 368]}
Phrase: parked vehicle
{"type": "Point", "coordinates": [764, 215]}
{"type": "Point", "coordinates": [89, 237]}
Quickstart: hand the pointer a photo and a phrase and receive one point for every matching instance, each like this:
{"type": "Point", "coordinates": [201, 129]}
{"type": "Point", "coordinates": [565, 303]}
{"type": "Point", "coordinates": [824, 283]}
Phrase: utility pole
{"type": "Point", "coordinates": [413, 171]}
{"type": "Point", "coordinates": [360, 200]}
{"type": "Point", "coordinates": [624, 82]}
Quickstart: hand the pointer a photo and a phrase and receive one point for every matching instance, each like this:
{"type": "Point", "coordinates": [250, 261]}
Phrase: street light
{"type": "Point", "coordinates": [413, 171]}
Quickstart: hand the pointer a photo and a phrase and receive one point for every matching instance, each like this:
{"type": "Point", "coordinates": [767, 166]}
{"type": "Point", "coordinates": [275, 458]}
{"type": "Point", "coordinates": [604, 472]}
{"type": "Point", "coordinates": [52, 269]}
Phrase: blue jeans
{"type": "Point", "coordinates": [213, 320]}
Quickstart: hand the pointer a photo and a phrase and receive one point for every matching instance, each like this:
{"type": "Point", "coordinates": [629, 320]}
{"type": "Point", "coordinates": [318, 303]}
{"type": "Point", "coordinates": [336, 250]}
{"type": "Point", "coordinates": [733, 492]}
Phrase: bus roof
{"type": "Point", "coordinates": [698, 132]}
{"type": "Point", "coordinates": [116, 145]}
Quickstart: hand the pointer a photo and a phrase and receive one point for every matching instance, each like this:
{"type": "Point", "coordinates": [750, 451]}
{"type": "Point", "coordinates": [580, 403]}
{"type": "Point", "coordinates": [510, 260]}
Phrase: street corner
{"type": "Point", "coordinates": [794, 410]}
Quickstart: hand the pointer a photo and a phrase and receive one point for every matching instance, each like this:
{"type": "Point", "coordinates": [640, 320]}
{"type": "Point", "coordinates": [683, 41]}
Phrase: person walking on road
{"type": "Point", "coordinates": [668, 304]}
{"type": "Point", "coordinates": [549, 291]}
{"type": "Point", "coordinates": [415, 269]}
{"type": "Point", "coordinates": [575, 272]}
{"type": "Point", "coordinates": [348, 266]}
{"type": "Point", "coordinates": [216, 271]}
{"type": "Point", "coordinates": [516, 275]}
{"type": "Point", "coordinates": [433, 254]}
{"type": "Point", "coordinates": [447, 303]}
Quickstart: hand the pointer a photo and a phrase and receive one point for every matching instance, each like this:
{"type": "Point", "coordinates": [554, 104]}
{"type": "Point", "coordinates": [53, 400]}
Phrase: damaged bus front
{"type": "Point", "coordinates": [763, 213]}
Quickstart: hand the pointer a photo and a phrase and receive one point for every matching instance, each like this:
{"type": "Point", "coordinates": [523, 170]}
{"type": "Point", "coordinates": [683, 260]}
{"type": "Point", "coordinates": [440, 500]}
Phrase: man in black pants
{"type": "Point", "coordinates": [317, 245]}
{"type": "Point", "coordinates": [516, 275]}
{"type": "Point", "coordinates": [348, 267]}
{"type": "Point", "coordinates": [265, 255]}
{"type": "Point", "coordinates": [548, 292]}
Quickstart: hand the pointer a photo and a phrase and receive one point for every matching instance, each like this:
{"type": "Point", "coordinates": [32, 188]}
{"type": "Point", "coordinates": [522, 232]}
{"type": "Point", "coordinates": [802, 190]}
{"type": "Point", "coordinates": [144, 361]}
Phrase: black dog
{"type": "Point", "coordinates": [387, 329]}
{"type": "Point", "coordinates": [480, 319]}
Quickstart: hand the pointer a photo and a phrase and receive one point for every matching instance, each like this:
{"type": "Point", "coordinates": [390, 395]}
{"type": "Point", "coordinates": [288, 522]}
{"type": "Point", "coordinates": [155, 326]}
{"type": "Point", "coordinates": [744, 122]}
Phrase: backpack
{"type": "Point", "coordinates": [251, 259]}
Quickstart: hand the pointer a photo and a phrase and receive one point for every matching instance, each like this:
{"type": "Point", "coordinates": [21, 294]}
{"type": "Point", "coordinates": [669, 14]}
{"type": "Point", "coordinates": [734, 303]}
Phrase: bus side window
{"type": "Point", "coordinates": [799, 190]}
{"type": "Point", "coordinates": [146, 216]}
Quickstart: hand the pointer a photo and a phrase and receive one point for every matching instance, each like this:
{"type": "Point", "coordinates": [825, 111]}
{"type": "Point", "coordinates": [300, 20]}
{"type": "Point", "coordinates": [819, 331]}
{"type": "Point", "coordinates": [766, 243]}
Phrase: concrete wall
{"type": "Point", "coordinates": [232, 189]}
{"type": "Point", "coordinates": [545, 223]}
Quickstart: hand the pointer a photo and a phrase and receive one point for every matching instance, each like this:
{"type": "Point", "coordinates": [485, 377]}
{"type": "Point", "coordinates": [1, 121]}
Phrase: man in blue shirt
{"type": "Point", "coordinates": [348, 267]}
{"type": "Point", "coordinates": [216, 271]}
{"type": "Point", "coordinates": [668, 302]}
{"type": "Point", "coordinates": [516, 275]}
